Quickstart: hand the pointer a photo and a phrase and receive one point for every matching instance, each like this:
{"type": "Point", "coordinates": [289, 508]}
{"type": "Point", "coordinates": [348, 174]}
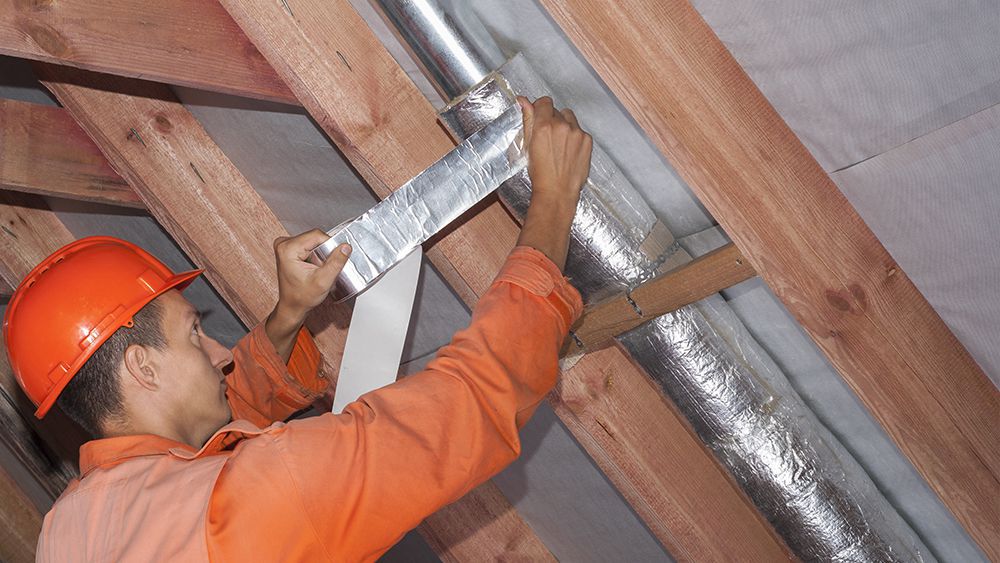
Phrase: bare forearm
{"type": "Point", "coordinates": [547, 227]}
{"type": "Point", "coordinates": [282, 327]}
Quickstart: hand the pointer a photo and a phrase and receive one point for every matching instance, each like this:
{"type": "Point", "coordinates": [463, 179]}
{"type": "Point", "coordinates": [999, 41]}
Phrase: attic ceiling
{"type": "Point", "coordinates": [898, 103]}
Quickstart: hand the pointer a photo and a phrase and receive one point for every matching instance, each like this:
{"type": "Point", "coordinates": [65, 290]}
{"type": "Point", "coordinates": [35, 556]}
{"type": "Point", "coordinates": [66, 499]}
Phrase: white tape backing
{"type": "Point", "coordinates": [378, 331]}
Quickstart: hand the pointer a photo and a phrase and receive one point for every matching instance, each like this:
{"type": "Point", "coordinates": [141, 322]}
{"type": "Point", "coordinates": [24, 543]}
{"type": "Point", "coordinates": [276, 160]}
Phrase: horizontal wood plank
{"type": "Point", "coordinates": [185, 42]}
{"type": "Point", "coordinates": [43, 151]}
{"type": "Point", "coordinates": [389, 132]}
{"type": "Point", "coordinates": [696, 280]}
{"type": "Point", "coordinates": [807, 242]}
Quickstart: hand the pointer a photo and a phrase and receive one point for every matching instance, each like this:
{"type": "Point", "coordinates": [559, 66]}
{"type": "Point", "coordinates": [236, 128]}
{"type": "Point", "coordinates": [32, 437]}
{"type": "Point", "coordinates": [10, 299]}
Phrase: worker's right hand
{"type": "Point", "coordinates": [301, 285]}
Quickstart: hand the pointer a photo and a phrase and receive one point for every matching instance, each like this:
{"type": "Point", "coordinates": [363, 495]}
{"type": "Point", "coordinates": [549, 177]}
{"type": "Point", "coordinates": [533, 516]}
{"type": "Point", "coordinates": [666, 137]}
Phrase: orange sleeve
{"type": "Point", "coordinates": [262, 388]}
{"type": "Point", "coordinates": [350, 485]}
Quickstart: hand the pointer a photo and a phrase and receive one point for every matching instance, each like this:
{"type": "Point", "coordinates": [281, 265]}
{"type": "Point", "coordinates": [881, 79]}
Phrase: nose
{"type": "Point", "coordinates": [219, 355]}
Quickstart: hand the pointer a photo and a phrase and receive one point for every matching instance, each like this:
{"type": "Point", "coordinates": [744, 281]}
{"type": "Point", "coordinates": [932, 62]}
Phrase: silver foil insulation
{"type": "Point", "coordinates": [389, 231]}
{"type": "Point", "coordinates": [819, 499]}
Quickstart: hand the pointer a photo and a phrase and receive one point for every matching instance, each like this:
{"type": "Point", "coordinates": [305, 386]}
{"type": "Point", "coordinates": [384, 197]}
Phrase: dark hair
{"type": "Point", "coordinates": [93, 396]}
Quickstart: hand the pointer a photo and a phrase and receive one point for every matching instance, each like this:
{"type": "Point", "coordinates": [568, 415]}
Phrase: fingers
{"type": "Point", "coordinates": [528, 116]}
{"type": "Point", "coordinates": [299, 247]}
{"type": "Point", "coordinates": [570, 117]}
{"type": "Point", "coordinates": [328, 272]}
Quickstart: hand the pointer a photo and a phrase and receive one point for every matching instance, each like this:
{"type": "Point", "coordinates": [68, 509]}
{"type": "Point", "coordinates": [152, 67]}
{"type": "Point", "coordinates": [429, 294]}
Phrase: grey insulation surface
{"type": "Point", "coordinates": [855, 78]}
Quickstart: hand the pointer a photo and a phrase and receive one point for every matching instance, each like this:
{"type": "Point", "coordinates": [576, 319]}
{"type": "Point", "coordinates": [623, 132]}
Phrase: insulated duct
{"type": "Point", "coordinates": [800, 477]}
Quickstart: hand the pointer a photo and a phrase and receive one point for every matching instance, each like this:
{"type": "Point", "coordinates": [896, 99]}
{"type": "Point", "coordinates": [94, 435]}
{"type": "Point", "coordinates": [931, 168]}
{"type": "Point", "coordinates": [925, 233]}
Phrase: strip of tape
{"type": "Point", "coordinates": [378, 331]}
{"type": "Point", "coordinates": [420, 208]}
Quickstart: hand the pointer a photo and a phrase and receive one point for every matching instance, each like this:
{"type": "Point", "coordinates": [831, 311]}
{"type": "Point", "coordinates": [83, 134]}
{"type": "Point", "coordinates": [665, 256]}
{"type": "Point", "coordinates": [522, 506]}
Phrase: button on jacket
{"type": "Point", "coordinates": [340, 487]}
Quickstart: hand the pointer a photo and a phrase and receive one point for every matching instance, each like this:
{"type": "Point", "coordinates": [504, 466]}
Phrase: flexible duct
{"type": "Point", "coordinates": [800, 477]}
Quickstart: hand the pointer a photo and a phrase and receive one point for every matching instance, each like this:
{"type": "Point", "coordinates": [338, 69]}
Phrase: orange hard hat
{"type": "Point", "coordinates": [65, 309]}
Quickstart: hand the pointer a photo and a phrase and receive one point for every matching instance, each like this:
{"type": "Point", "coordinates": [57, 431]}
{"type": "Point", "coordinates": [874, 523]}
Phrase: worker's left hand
{"type": "Point", "coordinates": [303, 285]}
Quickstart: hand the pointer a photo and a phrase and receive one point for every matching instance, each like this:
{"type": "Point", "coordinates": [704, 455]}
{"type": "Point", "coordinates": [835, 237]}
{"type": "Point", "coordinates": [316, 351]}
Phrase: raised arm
{"type": "Point", "coordinates": [363, 478]}
{"type": "Point", "coordinates": [275, 367]}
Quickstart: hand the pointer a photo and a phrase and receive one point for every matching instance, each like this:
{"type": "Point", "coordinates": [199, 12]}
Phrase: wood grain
{"type": "Point", "coordinates": [43, 151]}
{"type": "Point", "coordinates": [696, 280]}
{"type": "Point", "coordinates": [185, 42]}
{"type": "Point", "coordinates": [215, 215]}
{"type": "Point", "coordinates": [389, 132]}
{"type": "Point", "coordinates": [20, 523]}
{"type": "Point", "coordinates": [757, 179]}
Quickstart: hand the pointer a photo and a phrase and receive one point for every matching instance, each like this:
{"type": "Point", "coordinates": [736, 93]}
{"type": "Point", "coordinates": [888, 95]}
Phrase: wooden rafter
{"type": "Point", "coordinates": [184, 42]}
{"type": "Point", "coordinates": [197, 194]}
{"type": "Point", "coordinates": [347, 81]}
{"type": "Point", "coordinates": [43, 151]}
{"type": "Point", "coordinates": [808, 243]}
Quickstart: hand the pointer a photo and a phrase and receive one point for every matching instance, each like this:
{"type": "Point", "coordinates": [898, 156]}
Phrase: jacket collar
{"type": "Point", "coordinates": [107, 452]}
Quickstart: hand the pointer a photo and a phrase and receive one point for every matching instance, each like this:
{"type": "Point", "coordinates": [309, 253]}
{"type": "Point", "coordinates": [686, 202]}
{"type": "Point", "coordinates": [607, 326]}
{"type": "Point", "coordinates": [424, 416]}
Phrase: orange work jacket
{"type": "Point", "coordinates": [333, 487]}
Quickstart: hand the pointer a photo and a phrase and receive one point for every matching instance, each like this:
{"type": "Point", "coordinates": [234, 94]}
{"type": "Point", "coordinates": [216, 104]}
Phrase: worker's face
{"type": "Point", "coordinates": [193, 362]}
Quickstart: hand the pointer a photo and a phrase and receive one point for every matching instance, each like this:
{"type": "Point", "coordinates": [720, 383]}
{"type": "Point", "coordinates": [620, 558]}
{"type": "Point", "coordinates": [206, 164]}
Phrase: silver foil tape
{"type": "Point", "coordinates": [390, 230]}
{"type": "Point", "coordinates": [799, 476]}
{"type": "Point", "coordinates": [616, 240]}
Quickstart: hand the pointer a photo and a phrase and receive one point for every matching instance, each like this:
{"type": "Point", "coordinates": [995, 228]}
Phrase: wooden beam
{"type": "Point", "coordinates": [696, 280]}
{"type": "Point", "coordinates": [20, 523]}
{"type": "Point", "coordinates": [48, 448]}
{"type": "Point", "coordinates": [387, 129]}
{"type": "Point", "coordinates": [782, 210]}
{"type": "Point", "coordinates": [210, 209]}
{"type": "Point", "coordinates": [43, 151]}
{"type": "Point", "coordinates": [185, 42]}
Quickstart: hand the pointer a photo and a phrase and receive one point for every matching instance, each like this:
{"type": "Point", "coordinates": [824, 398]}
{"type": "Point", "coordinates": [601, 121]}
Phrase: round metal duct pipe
{"type": "Point", "coordinates": [819, 499]}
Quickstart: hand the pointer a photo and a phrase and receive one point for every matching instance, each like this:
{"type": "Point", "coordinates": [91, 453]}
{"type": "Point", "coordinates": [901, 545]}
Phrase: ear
{"type": "Point", "coordinates": [140, 367]}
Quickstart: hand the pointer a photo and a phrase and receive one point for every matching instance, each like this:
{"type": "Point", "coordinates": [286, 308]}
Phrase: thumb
{"type": "Point", "coordinates": [328, 272]}
{"type": "Point", "coordinates": [528, 115]}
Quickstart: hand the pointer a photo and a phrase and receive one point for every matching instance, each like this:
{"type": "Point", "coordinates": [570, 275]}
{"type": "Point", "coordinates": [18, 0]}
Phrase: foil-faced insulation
{"type": "Point", "coordinates": [800, 477]}
{"type": "Point", "coordinates": [389, 231]}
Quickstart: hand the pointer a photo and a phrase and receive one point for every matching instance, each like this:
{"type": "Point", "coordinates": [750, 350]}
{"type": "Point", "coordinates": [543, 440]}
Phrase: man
{"type": "Point", "coordinates": [101, 329]}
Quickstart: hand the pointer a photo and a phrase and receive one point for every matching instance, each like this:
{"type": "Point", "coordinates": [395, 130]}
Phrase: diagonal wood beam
{"type": "Point", "coordinates": [807, 242]}
{"type": "Point", "coordinates": [210, 209]}
{"type": "Point", "coordinates": [387, 129]}
{"type": "Point", "coordinates": [43, 151]}
{"type": "Point", "coordinates": [185, 42]}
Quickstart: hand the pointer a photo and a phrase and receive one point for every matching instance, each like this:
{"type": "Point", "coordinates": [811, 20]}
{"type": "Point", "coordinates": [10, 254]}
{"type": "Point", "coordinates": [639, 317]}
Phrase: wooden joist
{"type": "Point", "coordinates": [43, 151]}
{"type": "Point", "coordinates": [387, 129]}
{"type": "Point", "coordinates": [808, 243]}
{"type": "Point", "coordinates": [185, 42]}
{"type": "Point", "coordinates": [696, 280]}
{"type": "Point", "coordinates": [209, 208]}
